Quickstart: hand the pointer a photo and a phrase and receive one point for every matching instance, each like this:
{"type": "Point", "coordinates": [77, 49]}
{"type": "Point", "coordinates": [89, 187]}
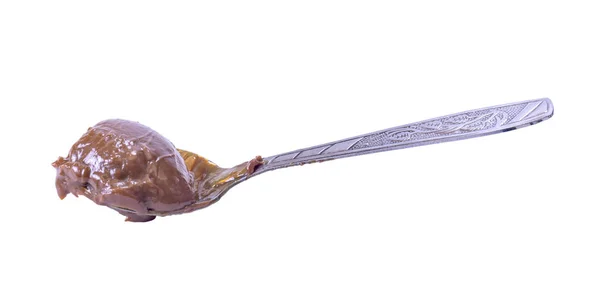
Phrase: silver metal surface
{"type": "Point", "coordinates": [458, 126]}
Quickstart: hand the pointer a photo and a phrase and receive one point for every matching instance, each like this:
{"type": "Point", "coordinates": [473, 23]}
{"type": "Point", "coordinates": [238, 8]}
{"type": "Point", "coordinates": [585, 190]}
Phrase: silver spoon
{"type": "Point", "coordinates": [458, 126]}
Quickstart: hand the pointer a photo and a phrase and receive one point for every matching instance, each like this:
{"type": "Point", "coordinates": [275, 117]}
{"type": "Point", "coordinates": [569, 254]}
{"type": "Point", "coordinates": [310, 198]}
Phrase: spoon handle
{"type": "Point", "coordinates": [458, 126]}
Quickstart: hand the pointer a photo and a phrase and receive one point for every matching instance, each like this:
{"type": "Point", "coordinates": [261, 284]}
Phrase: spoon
{"type": "Point", "coordinates": [134, 170]}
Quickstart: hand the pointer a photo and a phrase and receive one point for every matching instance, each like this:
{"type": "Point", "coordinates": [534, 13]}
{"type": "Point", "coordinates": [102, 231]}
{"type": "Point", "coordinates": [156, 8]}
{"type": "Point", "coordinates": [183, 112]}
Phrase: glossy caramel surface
{"type": "Point", "coordinates": [139, 173]}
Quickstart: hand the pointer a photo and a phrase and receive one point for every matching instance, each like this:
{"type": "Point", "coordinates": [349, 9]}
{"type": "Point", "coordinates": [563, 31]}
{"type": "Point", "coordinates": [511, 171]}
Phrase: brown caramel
{"type": "Point", "coordinates": [139, 173]}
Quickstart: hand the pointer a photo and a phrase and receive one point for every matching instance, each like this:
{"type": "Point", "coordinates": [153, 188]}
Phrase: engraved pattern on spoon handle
{"type": "Point", "coordinates": [458, 126]}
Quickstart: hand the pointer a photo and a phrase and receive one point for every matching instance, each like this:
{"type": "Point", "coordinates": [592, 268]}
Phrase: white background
{"type": "Point", "coordinates": [510, 217]}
